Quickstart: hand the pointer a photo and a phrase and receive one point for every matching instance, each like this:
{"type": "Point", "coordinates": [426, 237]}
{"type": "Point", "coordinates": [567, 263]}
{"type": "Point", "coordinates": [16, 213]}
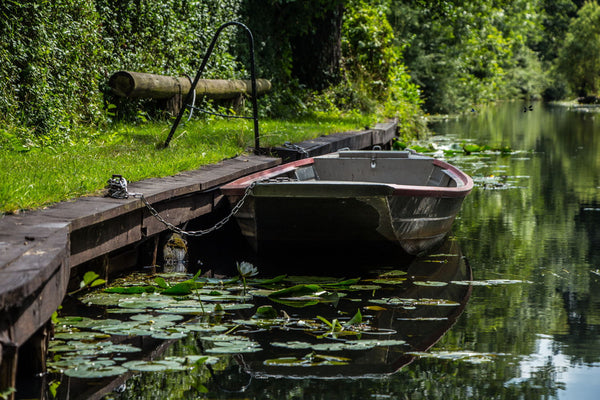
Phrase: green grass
{"type": "Point", "coordinates": [40, 175]}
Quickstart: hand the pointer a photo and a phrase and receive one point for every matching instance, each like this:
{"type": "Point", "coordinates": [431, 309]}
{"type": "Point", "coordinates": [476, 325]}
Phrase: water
{"type": "Point", "coordinates": [533, 217]}
{"type": "Point", "coordinates": [522, 270]}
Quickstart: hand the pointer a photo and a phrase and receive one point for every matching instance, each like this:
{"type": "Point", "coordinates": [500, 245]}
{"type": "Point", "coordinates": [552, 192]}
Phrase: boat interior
{"type": "Point", "coordinates": [390, 167]}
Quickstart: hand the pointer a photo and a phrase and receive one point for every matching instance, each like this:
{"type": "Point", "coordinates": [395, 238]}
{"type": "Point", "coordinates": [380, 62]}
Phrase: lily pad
{"type": "Point", "coordinates": [156, 318]}
{"type": "Point", "coordinates": [393, 273]}
{"type": "Point", "coordinates": [490, 282]}
{"type": "Point", "coordinates": [396, 301]}
{"type": "Point", "coordinates": [390, 281]}
{"type": "Point", "coordinates": [364, 287]}
{"type": "Point", "coordinates": [430, 283]}
{"type": "Point", "coordinates": [77, 335]}
{"type": "Point", "coordinates": [265, 312]}
{"type": "Point", "coordinates": [154, 366]}
{"type": "Point", "coordinates": [205, 327]}
{"type": "Point", "coordinates": [94, 371]}
{"type": "Point", "coordinates": [310, 360]}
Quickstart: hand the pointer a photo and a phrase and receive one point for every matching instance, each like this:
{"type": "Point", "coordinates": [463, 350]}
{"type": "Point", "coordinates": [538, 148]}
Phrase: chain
{"type": "Point", "coordinates": [117, 188]}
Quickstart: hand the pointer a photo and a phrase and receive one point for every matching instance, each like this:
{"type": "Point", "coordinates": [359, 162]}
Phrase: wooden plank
{"type": "Point", "coordinates": [384, 132]}
{"type": "Point", "coordinates": [24, 275]}
{"type": "Point", "coordinates": [101, 238]}
{"type": "Point", "coordinates": [177, 212]}
{"type": "Point", "coordinates": [91, 210]}
{"type": "Point", "coordinates": [355, 140]}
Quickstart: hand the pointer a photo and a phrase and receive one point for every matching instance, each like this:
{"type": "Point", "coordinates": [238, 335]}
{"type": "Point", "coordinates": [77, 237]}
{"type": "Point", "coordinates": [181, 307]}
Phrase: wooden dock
{"type": "Point", "coordinates": [42, 251]}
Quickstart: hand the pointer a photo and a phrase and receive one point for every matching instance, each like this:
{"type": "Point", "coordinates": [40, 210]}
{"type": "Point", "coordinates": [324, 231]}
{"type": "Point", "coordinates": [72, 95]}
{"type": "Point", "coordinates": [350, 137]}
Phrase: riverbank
{"type": "Point", "coordinates": [42, 173]}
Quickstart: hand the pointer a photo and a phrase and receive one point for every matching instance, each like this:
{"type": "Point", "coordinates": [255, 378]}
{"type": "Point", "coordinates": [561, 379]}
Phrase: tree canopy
{"type": "Point", "coordinates": [394, 56]}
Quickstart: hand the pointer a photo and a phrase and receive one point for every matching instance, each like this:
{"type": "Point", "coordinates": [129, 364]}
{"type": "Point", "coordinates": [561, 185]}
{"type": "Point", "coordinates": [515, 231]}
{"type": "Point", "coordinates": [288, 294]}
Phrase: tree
{"type": "Point", "coordinates": [298, 40]}
{"type": "Point", "coordinates": [579, 58]}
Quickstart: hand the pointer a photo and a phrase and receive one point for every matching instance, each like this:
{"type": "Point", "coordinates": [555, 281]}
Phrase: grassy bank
{"type": "Point", "coordinates": [37, 175]}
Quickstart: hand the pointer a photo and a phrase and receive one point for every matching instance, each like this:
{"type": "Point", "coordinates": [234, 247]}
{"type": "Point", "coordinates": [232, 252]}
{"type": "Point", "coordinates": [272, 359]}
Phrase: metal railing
{"type": "Point", "coordinates": [190, 97]}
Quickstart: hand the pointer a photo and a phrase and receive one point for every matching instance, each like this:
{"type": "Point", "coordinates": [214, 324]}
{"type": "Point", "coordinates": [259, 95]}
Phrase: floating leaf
{"type": "Point", "coordinates": [179, 289]}
{"type": "Point", "coordinates": [93, 370]}
{"type": "Point", "coordinates": [364, 287]}
{"type": "Point", "coordinates": [375, 308]}
{"type": "Point", "coordinates": [490, 282]}
{"type": "Point", "coordinates": [296, 291]}
{"type": "Point", "coordinates": [156, 318]}
{"type": "Point", "coordinates": [77, 335]}
{"type": "Point", "coordinates": [414, 302]}
{"type": "Point", "coordinates": [261, 282]}
{"type": "Point", "coordinates": [393, 273]}
{"type": "Point", "coordinates": [265, 312]}
{"type": "Point", "coordinates": [154, 366]}
{"type": "Point", "coordinates": [160, 281]}
{"type": "Point", "coordinates": [130, 289]}
{"type": "Point", "coordinates": [310, 360]}
{"type": "Point", "coordinates": [430, 283]}
{"type": "Point", "coordinates": [355, 320]}
{"type": "Point", "coordinates": [204, 327]}
{"type": "Point", "coordinates": [390, 281]}
{"type": "Point", "coordinates": [168, 335]}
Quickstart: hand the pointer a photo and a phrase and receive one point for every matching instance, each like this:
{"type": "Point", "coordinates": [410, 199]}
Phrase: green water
{"type": "Point", "coordinates": [515, 292]}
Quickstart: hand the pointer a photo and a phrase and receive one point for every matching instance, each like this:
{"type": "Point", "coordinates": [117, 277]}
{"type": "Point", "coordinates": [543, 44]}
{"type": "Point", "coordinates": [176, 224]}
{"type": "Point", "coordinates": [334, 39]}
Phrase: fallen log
{"type": "Point", "coordinates": [142, 85]}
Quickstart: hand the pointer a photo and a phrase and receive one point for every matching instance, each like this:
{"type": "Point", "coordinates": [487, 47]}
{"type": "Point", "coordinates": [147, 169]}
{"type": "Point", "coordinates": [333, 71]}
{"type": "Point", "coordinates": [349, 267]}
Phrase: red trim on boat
{"type": "Point", "coordinates": [238, 186]}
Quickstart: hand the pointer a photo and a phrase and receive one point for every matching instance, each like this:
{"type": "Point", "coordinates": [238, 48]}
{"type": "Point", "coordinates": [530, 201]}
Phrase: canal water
{"type": "Point", "coordinates": [507, 308]}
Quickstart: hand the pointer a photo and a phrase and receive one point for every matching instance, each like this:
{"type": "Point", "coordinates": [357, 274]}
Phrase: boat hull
{"type": "Point", "coordinates": [335, 215]}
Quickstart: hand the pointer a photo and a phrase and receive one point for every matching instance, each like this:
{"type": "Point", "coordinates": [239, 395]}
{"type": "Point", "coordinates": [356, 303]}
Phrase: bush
{"type": "Point", "coordinates": [57, 55]}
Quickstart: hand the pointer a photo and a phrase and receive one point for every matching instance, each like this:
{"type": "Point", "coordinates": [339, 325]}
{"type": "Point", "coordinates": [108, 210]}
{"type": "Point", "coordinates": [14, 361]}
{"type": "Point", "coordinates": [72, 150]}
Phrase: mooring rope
{"type": "Point", "coordinates": [117, 188]}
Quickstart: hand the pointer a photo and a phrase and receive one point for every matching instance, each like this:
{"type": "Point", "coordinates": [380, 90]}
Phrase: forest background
{"type": "Point", "coordinates": [399, 59]}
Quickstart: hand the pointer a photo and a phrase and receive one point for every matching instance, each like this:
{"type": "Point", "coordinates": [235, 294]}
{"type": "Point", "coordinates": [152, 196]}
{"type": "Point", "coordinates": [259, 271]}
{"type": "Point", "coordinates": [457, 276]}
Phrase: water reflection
{"type": "Point", "coordinates": [411, 313]}
{"type": "Point", "coordinates": [405, 313]}
{"type": "Point", "coordinates": [538, 228]}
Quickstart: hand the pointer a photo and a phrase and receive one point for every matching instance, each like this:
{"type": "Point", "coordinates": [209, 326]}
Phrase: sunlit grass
{"type": "Point", "coordinates": [48, 174]}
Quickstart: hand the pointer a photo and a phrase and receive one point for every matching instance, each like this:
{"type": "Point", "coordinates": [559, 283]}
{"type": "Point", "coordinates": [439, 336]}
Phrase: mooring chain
{"type": "Point", "coordinates": [117, 188]}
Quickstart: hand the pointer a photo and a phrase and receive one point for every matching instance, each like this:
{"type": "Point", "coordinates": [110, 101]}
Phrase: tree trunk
{"type": "Point", "coordinates": [317, 53]}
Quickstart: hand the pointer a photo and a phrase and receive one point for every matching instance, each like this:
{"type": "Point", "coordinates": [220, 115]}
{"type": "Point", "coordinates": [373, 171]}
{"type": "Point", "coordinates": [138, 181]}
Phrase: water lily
{"type": "Point", "coordinates": [246, 270]}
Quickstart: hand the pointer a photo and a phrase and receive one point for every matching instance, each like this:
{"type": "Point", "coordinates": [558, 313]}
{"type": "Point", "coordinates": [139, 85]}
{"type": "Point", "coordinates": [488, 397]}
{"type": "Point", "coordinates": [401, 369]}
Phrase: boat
{"type": "Point", "coordinates": [350, 199]}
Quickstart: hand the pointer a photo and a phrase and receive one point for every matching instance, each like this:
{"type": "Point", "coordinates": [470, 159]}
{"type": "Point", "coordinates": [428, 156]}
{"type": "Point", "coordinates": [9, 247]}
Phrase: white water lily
{"type": "Point", "coordinates": [246, 270]}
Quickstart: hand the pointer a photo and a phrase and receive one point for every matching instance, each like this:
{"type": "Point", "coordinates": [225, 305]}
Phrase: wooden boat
{"type": "Point", "coordinates": [350, 199]}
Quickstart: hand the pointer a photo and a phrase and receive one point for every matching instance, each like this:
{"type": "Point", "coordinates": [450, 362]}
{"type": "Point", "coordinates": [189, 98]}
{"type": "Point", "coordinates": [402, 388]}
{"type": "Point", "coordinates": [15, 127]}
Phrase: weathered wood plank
{"type": "Point", "coordinates": [384, 132]}
{"type": "Point", "coordinates": [24, 275]}
{"type": "Point", "coordinates": [101, 238]}
{"type": "Point", "coordinates": [177, 212]}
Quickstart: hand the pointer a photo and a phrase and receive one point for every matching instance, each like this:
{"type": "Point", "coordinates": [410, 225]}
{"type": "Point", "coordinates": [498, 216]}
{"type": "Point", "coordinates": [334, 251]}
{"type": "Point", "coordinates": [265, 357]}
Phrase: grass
{"type": "Point", "coordinates": [40, 175]}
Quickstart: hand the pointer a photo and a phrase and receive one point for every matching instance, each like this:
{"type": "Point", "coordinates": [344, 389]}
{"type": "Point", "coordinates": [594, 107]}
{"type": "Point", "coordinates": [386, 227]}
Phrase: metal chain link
{"type": "Point", "coordinates": [117, 188]}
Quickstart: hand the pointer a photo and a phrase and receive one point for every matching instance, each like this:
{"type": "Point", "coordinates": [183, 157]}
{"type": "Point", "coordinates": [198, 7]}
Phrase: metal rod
{"type": "Point", "coordinates": [190, 94]}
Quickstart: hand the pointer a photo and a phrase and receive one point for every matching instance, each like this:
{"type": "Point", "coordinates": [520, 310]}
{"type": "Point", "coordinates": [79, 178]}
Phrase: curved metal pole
{"type": "Point", "coordinates": [190, 94]}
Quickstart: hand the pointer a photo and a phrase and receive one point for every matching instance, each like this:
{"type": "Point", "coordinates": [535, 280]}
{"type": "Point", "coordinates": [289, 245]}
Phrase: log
{"type": "Point", "coordinates": [142, 85]}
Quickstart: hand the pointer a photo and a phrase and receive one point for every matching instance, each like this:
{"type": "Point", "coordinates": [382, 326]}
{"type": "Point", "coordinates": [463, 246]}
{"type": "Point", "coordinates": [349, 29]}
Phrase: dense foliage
{"type": "Point", "coordinates": [579, 58]}
{"type": "Point", "coordinates": [386, 56]}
